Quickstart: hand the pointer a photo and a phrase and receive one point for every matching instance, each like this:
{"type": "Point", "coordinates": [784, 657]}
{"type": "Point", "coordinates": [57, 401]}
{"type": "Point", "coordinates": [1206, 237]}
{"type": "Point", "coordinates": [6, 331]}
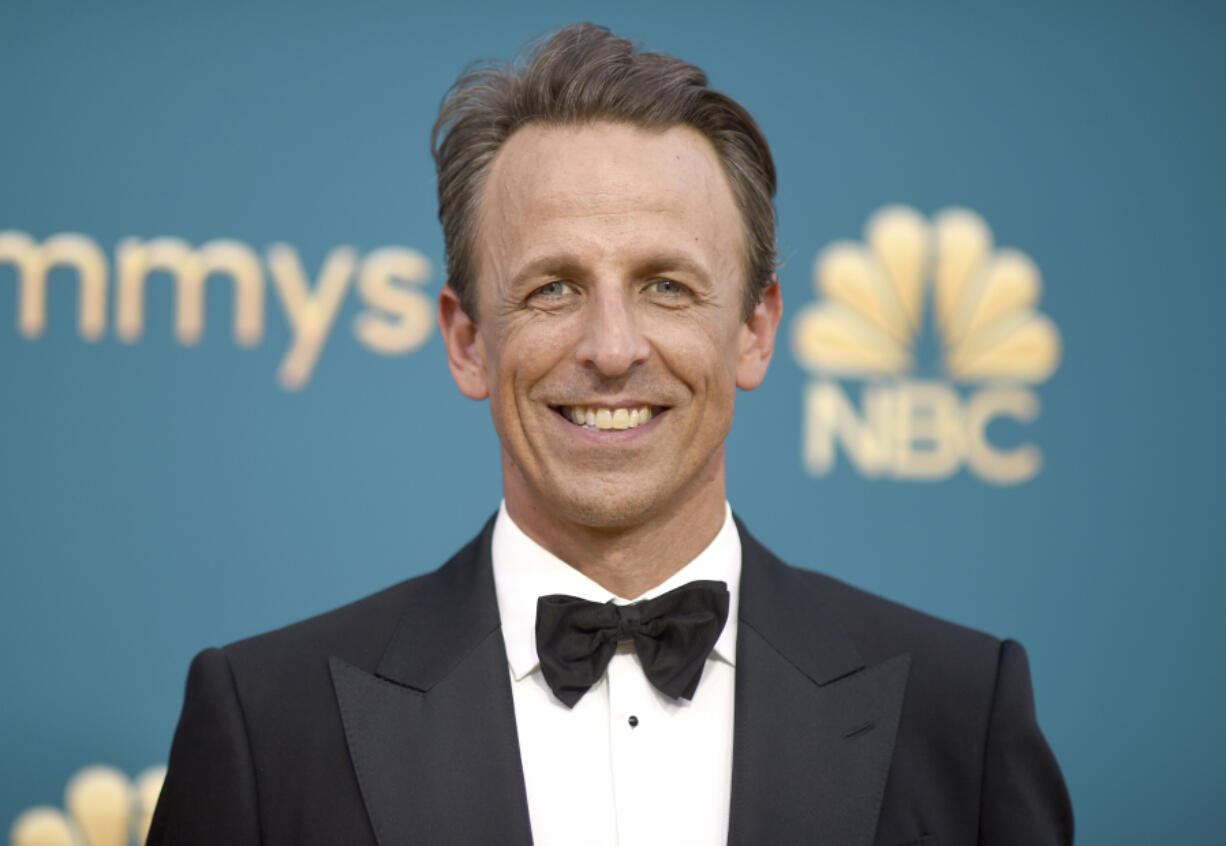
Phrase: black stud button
{"type": "Point", "coordinates": [633, 721]}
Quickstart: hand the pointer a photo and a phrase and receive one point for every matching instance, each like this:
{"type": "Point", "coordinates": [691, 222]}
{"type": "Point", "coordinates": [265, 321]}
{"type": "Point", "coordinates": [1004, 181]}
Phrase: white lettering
{"type": "Point", "coordinates": [830, 417]}
{"type": "Point", "coordinates": [1003, 468]}
{"type": "Point", "coordinates": [190, 269]}
{"type": "Point", "coordinates": [928, 431]}
{"type": "Point", "coordinates": [34, 261]}
{"type": "Point", "coordinates": [397, 321]}
{"type": "Point", "coordinates": [917, 430]}
{"type": "Point", "coordinates": [310, 316]}
{"type": "Point", "coordinates": [383, 284]}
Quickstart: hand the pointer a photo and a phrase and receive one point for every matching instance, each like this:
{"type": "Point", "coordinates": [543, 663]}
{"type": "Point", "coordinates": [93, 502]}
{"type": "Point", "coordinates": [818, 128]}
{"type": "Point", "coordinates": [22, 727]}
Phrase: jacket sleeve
{"type": "Point", "coordinates": [209, 795]}
{"type": "Point", "coordinates": [1024, 799]}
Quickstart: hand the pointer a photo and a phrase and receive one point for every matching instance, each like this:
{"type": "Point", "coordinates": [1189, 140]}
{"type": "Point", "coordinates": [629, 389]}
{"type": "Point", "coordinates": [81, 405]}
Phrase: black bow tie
{"type": "Point", "coordinates": [672, 633]}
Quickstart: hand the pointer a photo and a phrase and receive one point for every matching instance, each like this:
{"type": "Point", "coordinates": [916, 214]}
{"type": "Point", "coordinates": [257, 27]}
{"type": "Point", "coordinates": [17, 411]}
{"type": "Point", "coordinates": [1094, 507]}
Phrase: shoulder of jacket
{"type": "Point", "coordinates": [359, 630]}
{"type": "Point", "coordinates": [879, 627]}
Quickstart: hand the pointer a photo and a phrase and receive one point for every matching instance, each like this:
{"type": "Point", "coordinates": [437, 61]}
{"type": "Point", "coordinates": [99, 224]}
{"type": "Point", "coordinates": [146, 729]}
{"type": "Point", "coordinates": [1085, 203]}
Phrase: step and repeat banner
{"type": "Point", "coordinates": [224, 404]}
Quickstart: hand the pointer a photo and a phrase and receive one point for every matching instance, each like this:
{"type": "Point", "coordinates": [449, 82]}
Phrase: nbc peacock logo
{"type": "Point", "coordinates": [922, 297]}
{"type": "Point", "coordinates": [101, 808]}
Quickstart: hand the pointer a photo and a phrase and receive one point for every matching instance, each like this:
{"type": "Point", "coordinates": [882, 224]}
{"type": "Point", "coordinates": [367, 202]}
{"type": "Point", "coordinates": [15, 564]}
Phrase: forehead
{"type": "Point", "coordinates": [601, 188]}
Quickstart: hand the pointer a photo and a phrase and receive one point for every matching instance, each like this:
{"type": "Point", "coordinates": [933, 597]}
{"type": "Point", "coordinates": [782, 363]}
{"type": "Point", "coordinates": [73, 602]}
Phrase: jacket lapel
{"type": "Point", "coordinates": [814, 727]}
{"type": "Point", "coordinates": [431, 732]}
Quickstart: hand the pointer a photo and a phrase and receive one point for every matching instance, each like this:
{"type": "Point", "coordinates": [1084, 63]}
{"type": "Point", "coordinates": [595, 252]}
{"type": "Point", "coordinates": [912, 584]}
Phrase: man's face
{"type": "Point", "coordinates": [609, 335]}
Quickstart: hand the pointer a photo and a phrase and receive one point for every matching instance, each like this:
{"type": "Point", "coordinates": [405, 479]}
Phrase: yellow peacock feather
{"type": "Point", "coordinates": [872, 295]}
{"type": "Point", "coordinates": [101, 808]}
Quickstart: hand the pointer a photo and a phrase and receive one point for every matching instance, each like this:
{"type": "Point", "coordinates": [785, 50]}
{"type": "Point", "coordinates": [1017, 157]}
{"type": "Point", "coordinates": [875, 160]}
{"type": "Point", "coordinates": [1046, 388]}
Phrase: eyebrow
{"type": "Point", "coordinates": [671, 263]}
{"type": "Point", "coordinates": [550, 265]}
{"type": "Point", "coordinates": [570, 267]}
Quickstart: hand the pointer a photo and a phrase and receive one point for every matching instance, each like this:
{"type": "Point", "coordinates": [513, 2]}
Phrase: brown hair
{"type": "Point", "coordinates": [584, 73]}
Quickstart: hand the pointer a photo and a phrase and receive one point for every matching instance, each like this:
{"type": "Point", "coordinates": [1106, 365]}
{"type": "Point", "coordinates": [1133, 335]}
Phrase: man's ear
{"type": "Point", "coordinates": [465, 346]}
{"type": "Point", "coordinates": [757, 340]}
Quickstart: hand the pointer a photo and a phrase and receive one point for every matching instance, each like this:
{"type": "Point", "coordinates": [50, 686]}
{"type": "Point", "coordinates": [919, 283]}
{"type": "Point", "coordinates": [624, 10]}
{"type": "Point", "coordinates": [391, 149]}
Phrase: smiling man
{"type": "Point", "coordinates": [609, 331]}
{"type": "Point", "coordinates": [613, 659]}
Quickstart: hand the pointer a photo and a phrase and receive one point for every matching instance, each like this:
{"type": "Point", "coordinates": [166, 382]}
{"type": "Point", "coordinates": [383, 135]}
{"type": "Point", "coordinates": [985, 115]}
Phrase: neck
{"type": "Point", "coordinates": [627, 560]}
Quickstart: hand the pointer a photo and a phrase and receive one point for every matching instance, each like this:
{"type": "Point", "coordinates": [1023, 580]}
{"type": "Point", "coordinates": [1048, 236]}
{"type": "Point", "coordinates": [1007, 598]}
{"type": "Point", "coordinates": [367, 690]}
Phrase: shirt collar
{"type": "Point", "coordinates": [524, 570]}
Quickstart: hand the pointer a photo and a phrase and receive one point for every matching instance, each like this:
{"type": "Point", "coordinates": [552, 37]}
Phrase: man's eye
{"type": "Point", "coordinates": [551, 289]}
{"type": "Point", "coordinates": [667, 286]}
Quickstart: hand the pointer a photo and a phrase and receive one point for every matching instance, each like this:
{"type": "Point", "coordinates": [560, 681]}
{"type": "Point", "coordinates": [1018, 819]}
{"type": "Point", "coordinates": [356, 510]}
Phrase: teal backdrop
{"type": "Point", "coordinates": [158, 497]}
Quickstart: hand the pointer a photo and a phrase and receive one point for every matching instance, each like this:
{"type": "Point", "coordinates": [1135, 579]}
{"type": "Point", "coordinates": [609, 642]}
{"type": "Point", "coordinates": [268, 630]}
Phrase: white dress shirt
{"type": "Point", "coordinates": [592, 777]}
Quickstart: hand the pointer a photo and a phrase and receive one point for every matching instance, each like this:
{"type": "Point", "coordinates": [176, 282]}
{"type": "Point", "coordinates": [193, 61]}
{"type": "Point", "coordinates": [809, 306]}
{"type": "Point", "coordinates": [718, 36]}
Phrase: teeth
{"type": "Point", "coordinates": [607, 418]}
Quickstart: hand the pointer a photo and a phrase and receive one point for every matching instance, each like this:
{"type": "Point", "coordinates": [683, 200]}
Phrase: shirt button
{"type": "Point", "coordinates": [633, 721]}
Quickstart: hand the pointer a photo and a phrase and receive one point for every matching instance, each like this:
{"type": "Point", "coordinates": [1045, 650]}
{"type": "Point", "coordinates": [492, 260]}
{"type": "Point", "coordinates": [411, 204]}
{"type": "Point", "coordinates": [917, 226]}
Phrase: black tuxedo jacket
{"type": "Point", "coordinates": [390, 721]}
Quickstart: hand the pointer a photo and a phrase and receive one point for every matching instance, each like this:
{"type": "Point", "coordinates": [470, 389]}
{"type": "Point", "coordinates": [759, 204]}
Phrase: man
{"type": "Point", "coordinates": [610, 239]}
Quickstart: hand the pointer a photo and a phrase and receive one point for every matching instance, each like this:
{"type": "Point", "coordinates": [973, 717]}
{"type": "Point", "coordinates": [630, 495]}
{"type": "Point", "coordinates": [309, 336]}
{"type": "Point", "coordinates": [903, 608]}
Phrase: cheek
{"type": "Point", "coordinates": [527, 355]}
{"type": "Point", "coordinates": [707, 379]}
{"type": "Point", "coordinates": [703, 353]}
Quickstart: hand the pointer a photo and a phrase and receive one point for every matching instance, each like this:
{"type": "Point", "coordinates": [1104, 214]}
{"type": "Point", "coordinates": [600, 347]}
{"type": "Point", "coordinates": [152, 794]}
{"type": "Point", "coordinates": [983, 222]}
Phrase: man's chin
{"type": "Point", "coordinates": [599, 509]}
{"type": "Point", "coordinates": [611, 515]}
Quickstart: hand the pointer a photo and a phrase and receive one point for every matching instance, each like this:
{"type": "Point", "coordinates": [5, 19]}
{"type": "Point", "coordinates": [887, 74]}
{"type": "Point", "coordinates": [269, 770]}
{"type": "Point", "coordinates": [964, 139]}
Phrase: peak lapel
{"type": "Point", "coordinates": [814, 728]}
{"type": "Point", "coordinates": [432, 732]}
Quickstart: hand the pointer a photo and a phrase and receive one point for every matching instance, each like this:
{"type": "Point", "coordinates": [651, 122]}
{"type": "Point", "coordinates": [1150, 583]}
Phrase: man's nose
{"type": "Point", "coordinates": [612, 341]}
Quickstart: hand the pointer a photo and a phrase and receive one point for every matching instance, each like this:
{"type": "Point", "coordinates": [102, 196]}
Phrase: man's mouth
{"type": "Point", "coordinates": [604, 419]}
